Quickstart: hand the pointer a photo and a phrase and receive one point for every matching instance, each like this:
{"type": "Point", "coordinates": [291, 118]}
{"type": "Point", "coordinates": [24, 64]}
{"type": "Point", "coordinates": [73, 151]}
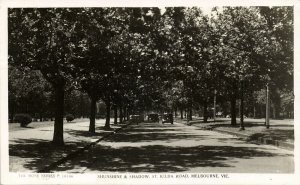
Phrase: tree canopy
{"type": "Point", "coordinates": [141, 59]}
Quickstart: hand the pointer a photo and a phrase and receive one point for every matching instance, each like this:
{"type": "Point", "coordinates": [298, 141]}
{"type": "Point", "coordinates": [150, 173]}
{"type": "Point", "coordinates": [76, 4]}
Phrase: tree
{"type": "Point", "coordinates": [41, 39]}
{"type": "Point", "coordinates": [28, 93]}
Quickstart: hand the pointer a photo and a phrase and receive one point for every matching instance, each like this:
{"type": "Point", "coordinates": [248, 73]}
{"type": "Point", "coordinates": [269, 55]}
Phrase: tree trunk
{"type": "Point", "coordinates": [274, 111]}
{"type": "Point", "coordinates": [127, 113]}
{"type": "Point", "coordinates": [121, 115]}
{"type": "Point", "coordinates": [58, 135]}
{"type": "Point", "coordinates": [242, 127]}
{"type": "Point", "coordinates": [107, 121]}
{"type": "Point", "coordinates": [41, 117]}
{"type": "Point", "coordinates": [81, 105]}
{"type": "Point", "coordinates": [181, 113]}
{"type": "Point", "coordinates": [190, 114]}
{"type": "Point", "coordinates": [232, 111]}
{"type": "Point", "coordinates": [93, 115]}
{"type": "Point", "coordinates": [124, 113]}
{"type": "Point", "coordinates": [205, 116]}
{"type": "Point", "coordinates": [115, 114]}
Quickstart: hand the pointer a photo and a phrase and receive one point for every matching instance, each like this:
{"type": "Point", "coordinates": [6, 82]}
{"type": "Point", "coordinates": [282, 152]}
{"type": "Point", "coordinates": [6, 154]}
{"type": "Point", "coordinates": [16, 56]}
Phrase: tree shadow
{"type": "Point", "coordinates": [144, 158]}
{"type": "Point", "coordinates": [275, 134]}
{"type": "Point", "coordinates": [150, 133]}
{"type": "Point", "coordinates": [262, 124]}
{"type": "Point", "coordinates": [159, 158]}
{"type": "Point", "coordinates": [247, 124]}
{"type": "Point", "coordinates": [27, 127]}
{"type": "Point", "coordinates": [85, 133]}
{"type": "Point", "coordinates": [39, 152]}
{"type": "Point", "coordinates": [150, 137]}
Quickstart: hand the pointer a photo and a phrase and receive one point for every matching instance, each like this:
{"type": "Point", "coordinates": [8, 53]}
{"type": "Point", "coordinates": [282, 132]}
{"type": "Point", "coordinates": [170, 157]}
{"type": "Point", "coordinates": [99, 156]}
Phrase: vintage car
{"type": "Point", "coordinates": [167, 118]}
{"type": "Point", "coordinates": [136, 118]}
{"type": "Point", "coordinates": [153, 118]}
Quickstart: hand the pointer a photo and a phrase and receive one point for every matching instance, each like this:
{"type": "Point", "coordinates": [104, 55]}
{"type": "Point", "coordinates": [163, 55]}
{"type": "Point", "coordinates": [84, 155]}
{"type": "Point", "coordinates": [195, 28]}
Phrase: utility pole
{"type": "Point", "coordinates": [268, 107]}
{"type": "Point", "coordinates": [215, 99]}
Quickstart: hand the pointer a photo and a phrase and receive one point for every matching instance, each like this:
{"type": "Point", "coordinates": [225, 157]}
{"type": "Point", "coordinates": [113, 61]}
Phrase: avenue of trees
{"type": "Point", "coordinates": [131, 60]}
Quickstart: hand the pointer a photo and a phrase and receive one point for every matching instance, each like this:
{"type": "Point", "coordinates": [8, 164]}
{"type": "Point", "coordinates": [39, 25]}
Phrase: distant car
{"type": "Point", "coordinates": [136, 119]}
{"type": "Point", "coordinates": [153, 118]}
{"type": "Point", "coordinates": [228, 116]}
{"type": "Point", "coordinates": [167, 118]}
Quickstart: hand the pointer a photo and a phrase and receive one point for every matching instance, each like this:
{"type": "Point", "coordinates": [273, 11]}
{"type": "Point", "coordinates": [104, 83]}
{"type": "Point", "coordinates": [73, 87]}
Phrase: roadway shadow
{"type": "Point", "coordinates": [246, 124]}
{"type": "Point", "coordinates": [150, 133]}
{"type": "Point", "coordinates": [159, 158]}
{"type": "Point", "coordinates": [147, 158]}
{"type": "Point", "coordinates": [275, 134]}
{"type": "Point", "coordinates": [150, 137]}
{"type": "Point", "coordinates": [39, 152]}
{"type": "Point", "coordinates": [86, 133]}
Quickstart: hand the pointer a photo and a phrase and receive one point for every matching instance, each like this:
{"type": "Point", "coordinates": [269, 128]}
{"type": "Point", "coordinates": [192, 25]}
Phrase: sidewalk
{"type": "Point", "coordinates": [280, 133]}
{"type": "Point", "coordinates": [30, 149]}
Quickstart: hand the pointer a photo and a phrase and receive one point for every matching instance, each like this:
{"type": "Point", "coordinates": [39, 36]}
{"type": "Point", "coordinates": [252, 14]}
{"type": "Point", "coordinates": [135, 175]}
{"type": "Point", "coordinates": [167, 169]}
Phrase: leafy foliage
{"type": "Point", "coordinates": [142, 59]}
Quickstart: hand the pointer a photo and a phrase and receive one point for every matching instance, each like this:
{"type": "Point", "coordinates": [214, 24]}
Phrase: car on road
{"type": "Point", "coordinates": [167, 118]}
{"type": "Point", "coordinates": [136, 118]}
{"type": "Point", "coordinates": [153, 118]}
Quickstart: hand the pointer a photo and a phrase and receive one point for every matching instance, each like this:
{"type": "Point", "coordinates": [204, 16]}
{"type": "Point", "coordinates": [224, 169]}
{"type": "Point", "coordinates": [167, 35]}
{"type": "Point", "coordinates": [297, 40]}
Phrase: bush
{"type": "Point", "coordinates": [23, 119]}
{"type": "Point", "coordinates": [69, 117]}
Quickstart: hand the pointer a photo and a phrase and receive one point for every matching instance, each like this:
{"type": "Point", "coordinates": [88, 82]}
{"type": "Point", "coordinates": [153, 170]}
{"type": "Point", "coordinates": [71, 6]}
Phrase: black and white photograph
{"type": "Point", "coordinates": [149, 93]}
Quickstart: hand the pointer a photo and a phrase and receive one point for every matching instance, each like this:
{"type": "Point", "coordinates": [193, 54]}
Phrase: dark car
{"type": "Point", "coordinates": [153, 118]}
{"type": "Point", "coordinates": [167, 118]}
{"type": "Point", "coordinates": [136, 119]}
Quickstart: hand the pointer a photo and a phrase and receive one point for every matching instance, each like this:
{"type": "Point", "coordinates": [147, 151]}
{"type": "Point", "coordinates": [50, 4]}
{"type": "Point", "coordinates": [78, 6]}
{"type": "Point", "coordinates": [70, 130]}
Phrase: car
{"type": "Point", "coordinates": [167, 118]}
{"type": "Point", "coordinates": [153, 118]}
{"type": "Point", "coordinates": [136, 118]}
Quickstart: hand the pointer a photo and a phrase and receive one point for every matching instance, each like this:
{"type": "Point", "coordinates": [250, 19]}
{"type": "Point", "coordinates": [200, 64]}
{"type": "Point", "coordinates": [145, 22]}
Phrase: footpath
{"type": "Point", "coordinates": [31, 150]}
{"type": "Point", "coordinates": [280, 133]}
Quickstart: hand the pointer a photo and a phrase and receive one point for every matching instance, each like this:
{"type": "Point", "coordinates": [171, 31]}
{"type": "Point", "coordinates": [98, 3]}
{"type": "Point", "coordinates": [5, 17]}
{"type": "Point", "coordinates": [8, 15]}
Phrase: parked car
{"type": "Point", "coordinates": [167, 118]}
{"type": "Point", "coordinates": [153, 118]}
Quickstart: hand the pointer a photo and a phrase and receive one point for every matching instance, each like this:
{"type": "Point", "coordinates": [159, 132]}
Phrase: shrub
{"type": "Point", "coordinates": [69, 117]}
{"type": "Point", "coordinates": [23, 119]}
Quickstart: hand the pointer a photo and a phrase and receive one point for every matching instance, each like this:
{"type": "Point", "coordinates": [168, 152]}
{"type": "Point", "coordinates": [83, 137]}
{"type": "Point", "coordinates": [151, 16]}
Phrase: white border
{"type": "Point", "coordinates": [13, 178]}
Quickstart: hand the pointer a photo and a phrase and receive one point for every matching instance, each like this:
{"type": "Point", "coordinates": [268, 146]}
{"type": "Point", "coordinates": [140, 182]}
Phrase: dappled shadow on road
{"type": "Point", "coordinates": [159, 158]}
{"type": "Point", "coordinates": [40, 153]}
{"type": "Point", "coordinates": [226, 123]}
{"type": "Point", "coordinates": [86, 133]}
{"type": "Point", "coordinates": [150, 157]}
{"type": "Point", "coordinates": [200, 121]}
{"type": "Point", "coordinates": [150, 133]}
{"type": "Point", "coordinates": [275, 134]}
{"type": "Point", "coordinates": [152, 136]}
{"type": "Point", "coordinates": [146, 157]}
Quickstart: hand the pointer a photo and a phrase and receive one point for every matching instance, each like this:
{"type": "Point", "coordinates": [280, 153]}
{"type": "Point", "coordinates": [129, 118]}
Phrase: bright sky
{"type": "Point", "coordinates": [206, 9]}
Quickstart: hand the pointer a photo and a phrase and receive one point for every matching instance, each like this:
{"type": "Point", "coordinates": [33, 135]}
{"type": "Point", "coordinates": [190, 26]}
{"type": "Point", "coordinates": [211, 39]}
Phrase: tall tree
{"type": "Point", "coordinates": [41, 39]}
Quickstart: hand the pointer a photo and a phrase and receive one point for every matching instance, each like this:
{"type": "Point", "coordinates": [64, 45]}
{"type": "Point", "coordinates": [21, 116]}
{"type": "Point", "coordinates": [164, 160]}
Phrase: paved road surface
{"type": "Point", "coordinates": [179, 148]}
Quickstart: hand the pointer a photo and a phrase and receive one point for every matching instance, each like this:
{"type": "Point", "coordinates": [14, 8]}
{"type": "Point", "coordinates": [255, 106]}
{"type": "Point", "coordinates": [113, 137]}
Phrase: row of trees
{"type": "Point", "coordinates": [141, 59]}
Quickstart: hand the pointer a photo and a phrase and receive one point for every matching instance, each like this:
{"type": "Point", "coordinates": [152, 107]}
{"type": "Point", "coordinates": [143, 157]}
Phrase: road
{"type": "Point", "coordinates": [153, 147]}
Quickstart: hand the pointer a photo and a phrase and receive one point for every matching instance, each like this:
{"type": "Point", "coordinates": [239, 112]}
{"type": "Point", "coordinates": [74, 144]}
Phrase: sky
{"type": "Point", "coordinates": [206, 10]}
